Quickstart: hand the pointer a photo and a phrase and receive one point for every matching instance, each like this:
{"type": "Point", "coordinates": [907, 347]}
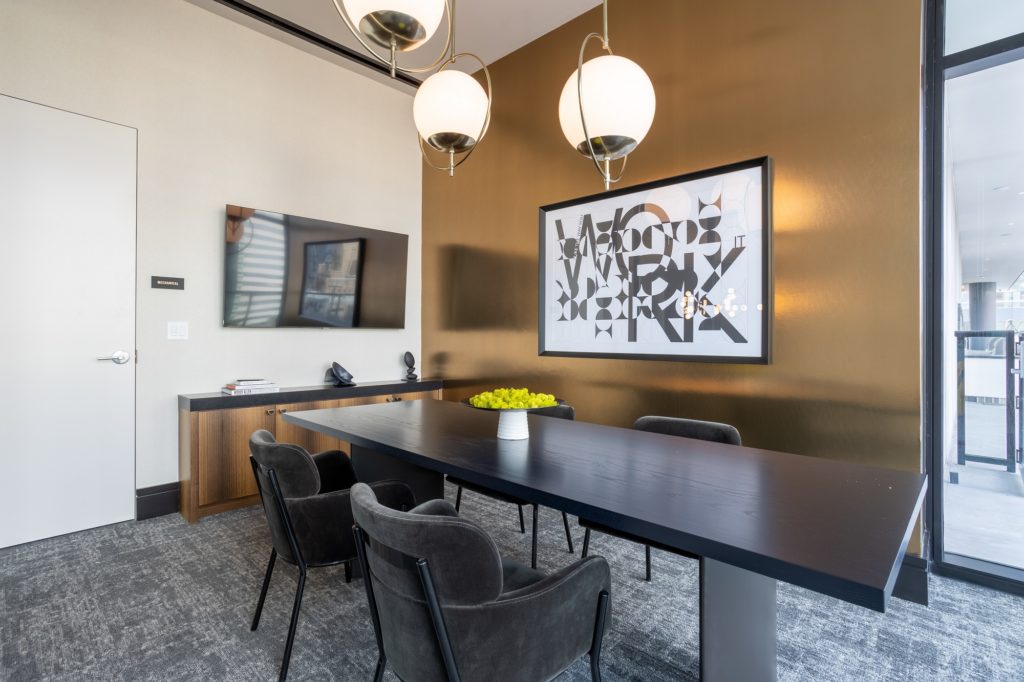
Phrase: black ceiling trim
{"type": "Point", "coordinates": [282, 24]}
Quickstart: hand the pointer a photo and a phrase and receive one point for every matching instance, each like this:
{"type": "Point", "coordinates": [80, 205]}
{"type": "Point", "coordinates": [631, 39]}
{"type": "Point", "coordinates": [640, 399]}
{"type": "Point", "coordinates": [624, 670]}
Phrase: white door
{"type": "Point", "coordinates": [67, 297]}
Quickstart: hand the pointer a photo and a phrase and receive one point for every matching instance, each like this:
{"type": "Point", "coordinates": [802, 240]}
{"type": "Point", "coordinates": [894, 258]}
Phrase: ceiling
{"type": "Point", "coordinates": [488, 28]}
{"type": "Point", "coordinates": [985, 167]}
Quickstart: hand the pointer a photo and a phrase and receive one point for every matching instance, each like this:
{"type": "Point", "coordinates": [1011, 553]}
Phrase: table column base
{"type": "Point", "coordinates": [738, 618]}
{"type": "Point", "coordinates": [371, 465]}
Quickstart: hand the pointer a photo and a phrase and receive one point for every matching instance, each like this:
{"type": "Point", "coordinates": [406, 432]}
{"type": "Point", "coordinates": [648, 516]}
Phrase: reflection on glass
{"type": "Point", "coordinates": [287, 271]}
{"type": "Point", "coordinates": [970, 23]}
{"type": "Point", "coordinates": [255, 268]}
{"type": "Point", "coordinates": [330, 289]}
{"type": "Point", "coordinates": [983, 240]}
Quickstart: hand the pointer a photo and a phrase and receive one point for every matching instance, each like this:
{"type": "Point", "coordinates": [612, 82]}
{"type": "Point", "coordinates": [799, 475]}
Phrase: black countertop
{"type": "Point", "coordinates": [201, 402]}
{"type": "Point", "coordinates": [835, 527]}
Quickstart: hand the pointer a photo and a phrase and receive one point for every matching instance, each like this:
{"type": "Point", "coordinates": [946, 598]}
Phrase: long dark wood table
{"type": "Point", "coordinates": [753, 516]}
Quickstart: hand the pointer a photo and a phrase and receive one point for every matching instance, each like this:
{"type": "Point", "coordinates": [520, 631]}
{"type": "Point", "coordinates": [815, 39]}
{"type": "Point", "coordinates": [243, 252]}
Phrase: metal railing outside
{"type": "Point", "coordinates": [1014, 388]}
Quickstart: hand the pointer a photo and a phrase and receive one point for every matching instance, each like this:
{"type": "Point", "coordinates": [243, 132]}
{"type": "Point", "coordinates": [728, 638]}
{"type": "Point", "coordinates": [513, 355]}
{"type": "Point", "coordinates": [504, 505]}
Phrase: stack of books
{"type": "Point", "coordinates": [249, 387]}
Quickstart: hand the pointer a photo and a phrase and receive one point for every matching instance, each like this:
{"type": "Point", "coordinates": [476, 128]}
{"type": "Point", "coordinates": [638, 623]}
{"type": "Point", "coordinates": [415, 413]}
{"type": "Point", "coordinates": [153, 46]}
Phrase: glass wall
{"type": "Point", "coordinates": [970, 23]}
{"type": "Point", "coordinates": [982, 297]}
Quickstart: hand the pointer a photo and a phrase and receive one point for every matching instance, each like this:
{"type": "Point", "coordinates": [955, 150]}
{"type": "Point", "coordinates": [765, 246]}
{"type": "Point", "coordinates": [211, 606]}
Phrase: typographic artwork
{"type": "Point", "coordinates": [676, 269]}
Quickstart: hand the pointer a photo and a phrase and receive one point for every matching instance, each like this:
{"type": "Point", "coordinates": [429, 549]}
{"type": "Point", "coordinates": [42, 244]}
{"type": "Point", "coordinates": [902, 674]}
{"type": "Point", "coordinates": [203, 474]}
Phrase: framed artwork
{"type": "Point", "coordinates": [677, 269]}
{"type": "Point", "coordinates": [331, 273]}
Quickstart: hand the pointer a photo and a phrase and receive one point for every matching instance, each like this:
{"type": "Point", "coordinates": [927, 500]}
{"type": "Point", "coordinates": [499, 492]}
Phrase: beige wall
{"type": "Point", "coordinates": [829, 90]}
{"type": "Point", "coordinates": [225, 115]}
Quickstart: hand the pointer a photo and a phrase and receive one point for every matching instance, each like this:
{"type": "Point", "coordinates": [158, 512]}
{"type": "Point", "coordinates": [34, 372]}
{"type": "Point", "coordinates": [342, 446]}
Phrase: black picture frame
{"type": "Point", "coordinates": [306, 261]}
{"type": "Point", "coordinates": [763, 354]}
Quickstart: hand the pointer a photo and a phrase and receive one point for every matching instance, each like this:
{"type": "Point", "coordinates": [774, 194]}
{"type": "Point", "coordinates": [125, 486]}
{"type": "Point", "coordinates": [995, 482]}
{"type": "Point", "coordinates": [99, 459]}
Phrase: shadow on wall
{"type": "Point", "coordinates": [832, 429]}
{"type": "Point", "coordinates": [477, 281]}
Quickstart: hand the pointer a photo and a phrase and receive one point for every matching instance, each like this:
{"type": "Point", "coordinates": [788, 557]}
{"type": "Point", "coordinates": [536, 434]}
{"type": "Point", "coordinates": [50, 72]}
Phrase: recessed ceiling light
{"type": "Point", "coordinates": [1011, 223]}
{"type": "Point", "coordinates": [1001, 188]}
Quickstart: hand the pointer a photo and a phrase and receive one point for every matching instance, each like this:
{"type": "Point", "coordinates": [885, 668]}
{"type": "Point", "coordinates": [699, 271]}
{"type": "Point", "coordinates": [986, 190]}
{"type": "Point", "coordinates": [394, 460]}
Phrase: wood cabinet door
{"type": "Point", "coordinates": [418, 395]}
{"type": "Point", "coordinates": [314, 442]}
{"type": "Point", "coordinates": [224, 471]}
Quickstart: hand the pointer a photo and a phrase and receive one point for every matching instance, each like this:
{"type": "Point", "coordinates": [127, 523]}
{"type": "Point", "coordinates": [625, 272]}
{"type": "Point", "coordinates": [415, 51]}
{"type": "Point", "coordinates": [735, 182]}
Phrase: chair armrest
{"type": "Point", "coordinates": [323, 523]}
{"type": "Point", "coordinates": [392, 494]}
{"type": "Point", "coordinates": [436, 507]}
{"type": "Point", "coordinates": [589, 574]}
{"type": "Point", "coordinates": [323, 527]}
{"type": "Point", "coordinates": [335, 470]}
{"type": "Point", "coordinates": [536, 631]}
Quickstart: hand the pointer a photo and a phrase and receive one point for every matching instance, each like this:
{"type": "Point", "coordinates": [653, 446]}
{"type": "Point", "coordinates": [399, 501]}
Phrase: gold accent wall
{"type": "Point", "coordinates": [829, 90]}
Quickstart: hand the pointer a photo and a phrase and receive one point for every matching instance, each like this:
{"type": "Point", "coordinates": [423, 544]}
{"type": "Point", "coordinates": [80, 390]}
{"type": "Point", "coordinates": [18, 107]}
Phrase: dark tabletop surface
{"type": "Point", "coordinates": [834, 527]}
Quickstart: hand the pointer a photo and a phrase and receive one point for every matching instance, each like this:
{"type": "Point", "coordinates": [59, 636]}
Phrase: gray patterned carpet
{"type": "Point", "coordinates": [162, 600]}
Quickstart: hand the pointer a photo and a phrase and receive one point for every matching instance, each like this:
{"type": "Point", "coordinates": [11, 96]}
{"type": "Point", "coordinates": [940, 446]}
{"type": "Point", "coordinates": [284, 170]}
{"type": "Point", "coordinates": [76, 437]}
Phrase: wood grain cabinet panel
{"type": "Point", "coordinates": [311, 440]}
{"type": "Point", "coordinates": [225, 472]}
{"type": "Point", "coordinates": [419, 395]}
{"type": "Point", "coordinates": [213, 446]}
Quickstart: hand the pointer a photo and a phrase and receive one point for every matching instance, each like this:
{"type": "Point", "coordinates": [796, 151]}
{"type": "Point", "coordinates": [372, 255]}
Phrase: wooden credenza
{"type": "Point", "coordinates": [214, 430]}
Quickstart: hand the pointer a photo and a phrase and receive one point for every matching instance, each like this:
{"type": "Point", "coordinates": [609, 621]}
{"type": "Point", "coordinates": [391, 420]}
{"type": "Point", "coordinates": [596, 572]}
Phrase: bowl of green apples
{"type": "Point", "coordinates": [512, 406]}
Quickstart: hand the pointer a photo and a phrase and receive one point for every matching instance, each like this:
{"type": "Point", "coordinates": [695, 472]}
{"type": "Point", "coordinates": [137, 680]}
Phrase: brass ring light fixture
{"type": "Point", "coordinates": [451, 110]}
{"type": "Point", "coordinates": [452, 136]}
{"type": "Point", "coordinates": [398, 25]}
{"type": "Point", "coordinates": [621, 103]}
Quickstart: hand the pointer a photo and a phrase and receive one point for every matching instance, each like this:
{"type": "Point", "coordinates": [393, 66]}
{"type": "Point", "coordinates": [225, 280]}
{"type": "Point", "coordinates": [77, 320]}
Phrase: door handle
{"type": "Point", "coordinates": [118, 357]}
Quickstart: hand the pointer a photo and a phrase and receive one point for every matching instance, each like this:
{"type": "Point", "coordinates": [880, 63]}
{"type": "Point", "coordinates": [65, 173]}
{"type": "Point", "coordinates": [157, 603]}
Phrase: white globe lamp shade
{"type": "Point", "coordinates": [618, 102]}
{"type": "Point", "coordinates": [410, 22]}
{"type": "Point", "coordinates": [450, 110]}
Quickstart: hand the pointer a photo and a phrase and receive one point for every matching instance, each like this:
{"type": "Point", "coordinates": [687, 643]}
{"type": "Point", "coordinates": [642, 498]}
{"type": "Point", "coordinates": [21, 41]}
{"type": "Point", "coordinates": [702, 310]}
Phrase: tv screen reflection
{"type": "Point", "coordinates": [288, 271]}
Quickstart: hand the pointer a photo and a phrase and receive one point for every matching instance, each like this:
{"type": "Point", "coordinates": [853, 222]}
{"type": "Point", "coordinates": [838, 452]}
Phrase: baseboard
{"type": "Point", "coordinates": [996, 576]}
{"type": "Point", "coordinates": [157, 500]}
{"type": "Point", "coordinates": [912, 581]}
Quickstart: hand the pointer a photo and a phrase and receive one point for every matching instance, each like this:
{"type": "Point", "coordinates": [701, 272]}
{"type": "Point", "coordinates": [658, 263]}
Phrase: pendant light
{"type": "Point", "coordinates": [452, 113]}
{"type": "Point", "coordinates": [396, 25]}
{"type": "Point", "coordinates": [451, 110]}
{"type": "Point", "coordinates": [606, 107]}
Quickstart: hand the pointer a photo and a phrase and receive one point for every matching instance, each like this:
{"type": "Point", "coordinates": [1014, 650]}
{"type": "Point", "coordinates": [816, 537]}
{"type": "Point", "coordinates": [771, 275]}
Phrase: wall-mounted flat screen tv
{"type": "Point", "coordinates": [287, 271]}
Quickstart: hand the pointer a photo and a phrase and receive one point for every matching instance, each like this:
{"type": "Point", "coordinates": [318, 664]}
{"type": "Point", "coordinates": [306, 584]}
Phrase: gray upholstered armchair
{"type": "Point", "coordinates": [446, 606]}
{"type": "Point", "coordinates": [306, 501]}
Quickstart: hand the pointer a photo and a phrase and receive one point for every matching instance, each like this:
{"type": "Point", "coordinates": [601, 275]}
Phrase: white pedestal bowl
{"type": "Point", "coordinates": [512, 424]}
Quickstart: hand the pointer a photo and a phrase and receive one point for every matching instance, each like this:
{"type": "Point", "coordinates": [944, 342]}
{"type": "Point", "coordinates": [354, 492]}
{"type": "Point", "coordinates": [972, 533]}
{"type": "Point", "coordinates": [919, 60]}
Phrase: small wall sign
{"type": "Point", "coordinates": [168, 282]}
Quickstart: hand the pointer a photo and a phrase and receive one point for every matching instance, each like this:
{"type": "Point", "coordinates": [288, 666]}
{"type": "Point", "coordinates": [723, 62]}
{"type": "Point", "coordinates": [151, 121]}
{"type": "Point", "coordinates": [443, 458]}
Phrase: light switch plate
{"type": "Point", "coordinates": [177, 331]}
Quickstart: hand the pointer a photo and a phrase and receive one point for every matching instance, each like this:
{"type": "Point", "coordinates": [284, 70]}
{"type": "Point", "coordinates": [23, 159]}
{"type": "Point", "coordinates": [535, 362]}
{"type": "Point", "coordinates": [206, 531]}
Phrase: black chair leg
{"type": "Point", "coordinates": [568, 535]}
{"type": "Point", "coordinates": [364, 568]}
{"type": "Point", "coordinates": [522, 523]}
{"type": "Point", "coordinates": [348, 571]}
{"type": "Point", "coordinates": [292, 626]}
{"type": "Point", "coordinates": [263, 592]}
{"type": "Point", "coordinates": [586, 542]}
{"type": "Point", "coordinates": [647, 561]}
{"type": "Point", "coordinates": [595, 647]}
{"type": "Point", "coordinates": [458, 498]}
{"type": "Point", "coordinates": [382, 663]}
{"type": "Point", "coordinates": [533, 552]}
